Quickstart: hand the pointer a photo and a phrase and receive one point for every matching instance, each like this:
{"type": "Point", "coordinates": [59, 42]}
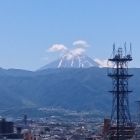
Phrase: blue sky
{"type": "Point", "coordinates": [29, 28]}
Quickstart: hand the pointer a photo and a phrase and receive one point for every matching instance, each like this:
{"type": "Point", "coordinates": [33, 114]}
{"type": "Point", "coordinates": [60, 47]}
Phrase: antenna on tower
{"type": "Point", "coordinates": [114, 49]}
{"type": "Point", "coordinates": [130, 50]}
{"type": "Point", "coordinates": [125, 50]}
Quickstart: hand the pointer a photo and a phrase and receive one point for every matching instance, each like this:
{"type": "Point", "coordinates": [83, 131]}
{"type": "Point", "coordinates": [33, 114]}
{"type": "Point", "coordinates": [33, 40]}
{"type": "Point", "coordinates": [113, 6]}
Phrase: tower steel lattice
{"type": "Point", "coordinates": [120, 104]}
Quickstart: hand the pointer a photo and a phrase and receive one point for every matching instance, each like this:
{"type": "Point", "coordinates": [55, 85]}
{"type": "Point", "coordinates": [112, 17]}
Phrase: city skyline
{"type": "Point", "coordinates": [34, 33]}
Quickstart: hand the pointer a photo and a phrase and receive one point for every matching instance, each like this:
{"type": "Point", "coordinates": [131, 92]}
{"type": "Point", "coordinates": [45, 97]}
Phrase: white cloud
{"type": "Point", "coordinates": [72, 53]}
{"type": "Point", "coordinates": [57, 47]}
{"type": "Point", "coordinates": [103, 63]}
{"type": "Point", "coordinates": [64, 51]}
{"type": "Point", "coordinates": [81, 42]}
{"type": "Point", "coordinates": [77, 51]}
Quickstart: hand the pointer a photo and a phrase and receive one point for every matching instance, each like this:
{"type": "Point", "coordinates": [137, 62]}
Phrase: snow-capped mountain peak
{"type": "Point", "coordinates": [72, 60]}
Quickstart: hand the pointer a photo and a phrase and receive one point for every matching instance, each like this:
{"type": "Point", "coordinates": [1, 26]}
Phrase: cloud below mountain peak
{"type": "Point", "coordinates": [103, 63]}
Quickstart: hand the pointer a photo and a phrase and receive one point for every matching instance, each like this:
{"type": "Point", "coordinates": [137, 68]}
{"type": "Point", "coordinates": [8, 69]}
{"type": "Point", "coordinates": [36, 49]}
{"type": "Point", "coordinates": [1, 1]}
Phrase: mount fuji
{"type": "Point", "coordinates": [72, 61]}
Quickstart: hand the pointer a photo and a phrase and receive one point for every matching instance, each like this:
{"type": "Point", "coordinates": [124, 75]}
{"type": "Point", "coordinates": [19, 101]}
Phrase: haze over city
{"type": "Point", "coordinates": [34, 33]}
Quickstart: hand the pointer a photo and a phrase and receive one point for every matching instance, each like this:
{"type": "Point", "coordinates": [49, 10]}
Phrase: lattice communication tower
{"type": "Point", "coordinates": [120, 115]}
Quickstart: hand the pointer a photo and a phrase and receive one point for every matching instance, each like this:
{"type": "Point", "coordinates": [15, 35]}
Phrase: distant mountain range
{"type": "Point", "coordinates": [72, 61]}
{"type": "Point", "coordinates": [69, 88]}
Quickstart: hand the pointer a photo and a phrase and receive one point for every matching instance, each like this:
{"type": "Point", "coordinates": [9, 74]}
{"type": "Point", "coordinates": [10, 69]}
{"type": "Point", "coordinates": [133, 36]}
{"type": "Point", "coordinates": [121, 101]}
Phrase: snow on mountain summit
{"type": "Point", "coordinates": [71, 60]}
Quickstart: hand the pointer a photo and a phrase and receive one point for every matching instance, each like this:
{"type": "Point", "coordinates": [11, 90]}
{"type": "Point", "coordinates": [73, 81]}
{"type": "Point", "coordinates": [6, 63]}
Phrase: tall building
{"type": "Point", "coordinates": [6, 127]}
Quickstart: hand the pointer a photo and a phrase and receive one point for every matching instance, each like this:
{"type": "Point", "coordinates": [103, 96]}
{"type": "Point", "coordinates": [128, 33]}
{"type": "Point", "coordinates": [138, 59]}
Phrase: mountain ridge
{"type": "Point", "coordinates": [69, 88]}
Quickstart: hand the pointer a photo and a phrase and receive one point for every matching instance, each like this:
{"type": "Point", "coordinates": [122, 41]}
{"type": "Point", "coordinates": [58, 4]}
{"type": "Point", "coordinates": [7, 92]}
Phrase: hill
{"type": "Point", "coordinates": [80, 89]}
